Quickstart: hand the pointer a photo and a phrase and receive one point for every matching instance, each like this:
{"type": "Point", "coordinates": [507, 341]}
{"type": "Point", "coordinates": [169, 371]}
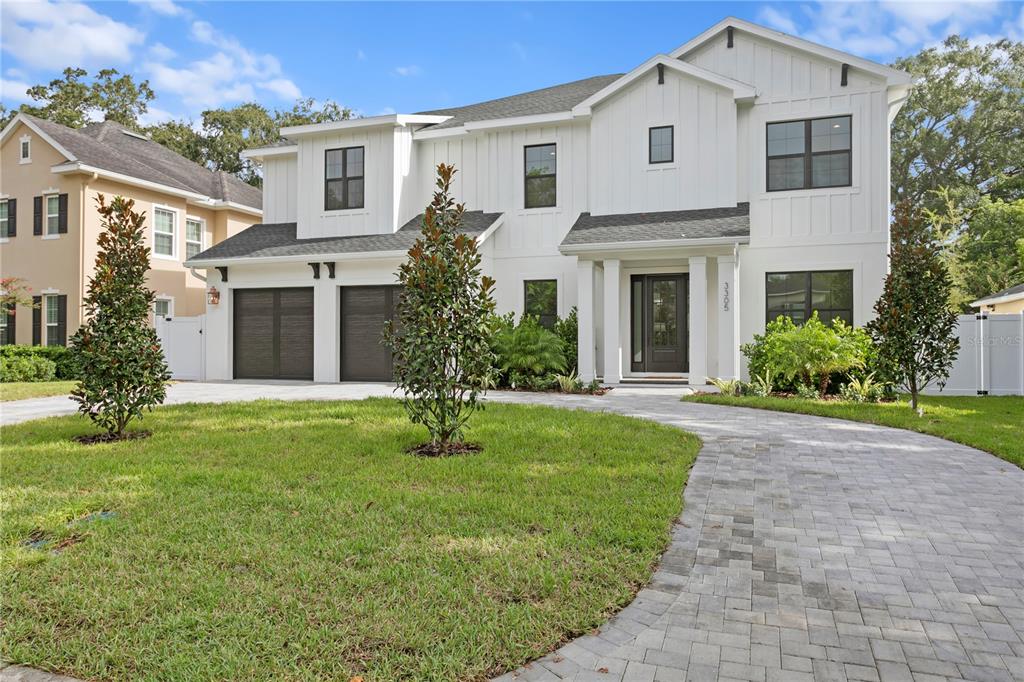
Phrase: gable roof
{"type": "Point", "coordinates": [1013, 293]}
{"type": "Point", "coordinates": [112, 147]}
{"type": "Point", "coordinates": [279, 241]}
{"type": "Point", "coordinates": [660, 228]}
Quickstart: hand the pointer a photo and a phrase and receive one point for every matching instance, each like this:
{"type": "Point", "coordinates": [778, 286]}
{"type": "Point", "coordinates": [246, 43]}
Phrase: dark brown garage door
{"type": "Point", "coordinates": [364, 310]}
{"type": "Point", "coordinates": [273, 333]}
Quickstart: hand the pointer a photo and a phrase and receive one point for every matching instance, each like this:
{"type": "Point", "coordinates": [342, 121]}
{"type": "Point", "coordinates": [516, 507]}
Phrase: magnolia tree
{"type": "Point", "coordinates": [440, 336]}
{"type": "Point", "coordinates": [914, 325]}
{"type": "Point", "coordinates": [123, 371]}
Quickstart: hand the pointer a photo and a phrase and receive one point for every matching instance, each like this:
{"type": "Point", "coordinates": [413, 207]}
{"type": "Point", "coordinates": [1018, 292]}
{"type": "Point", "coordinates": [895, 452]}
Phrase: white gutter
{"type": "Point", "coordinates": [266, 152]}
{"type": "Point", "coordinates": [573, 249]}
{"type": "Point", "coordinates": [402, 120]}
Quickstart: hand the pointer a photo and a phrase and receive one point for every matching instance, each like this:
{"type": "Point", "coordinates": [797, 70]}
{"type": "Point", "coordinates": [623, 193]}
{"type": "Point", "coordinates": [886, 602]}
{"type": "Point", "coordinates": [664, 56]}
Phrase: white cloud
{"type": "Point", "coordinates": [51, 35]}
{"type": "Point", "coordinates": [165, 7]}
{"type": "Point", "coordinates": [162, 53]}
{"type": "Point", "coordinates": [155, 116]}
{"type": "Point", "coordinates": [411, 70]}
{"type": "Point", "coordinates": [282, 87]}
{"type": "Point", "coordinates": [13, 90]}
{"type": "Point", "coordinates": [777, 20]}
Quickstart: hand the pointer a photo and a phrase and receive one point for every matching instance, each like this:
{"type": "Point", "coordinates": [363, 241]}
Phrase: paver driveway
{"type": "Point", "coordinates": [808, 549]}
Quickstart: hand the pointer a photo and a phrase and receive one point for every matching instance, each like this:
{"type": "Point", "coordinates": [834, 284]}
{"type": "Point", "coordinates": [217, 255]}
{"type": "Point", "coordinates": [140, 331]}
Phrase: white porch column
{"type": "Point", "coordinates": [698, 306]}
{"type": "Point", "coordinates": [585, 318]}
{"type": "Point", "coordinates": [612, 346]}
{"type": "Point", "coordinates": [326, 329]}
{"type": "Point", "coordinates": [728, 302]}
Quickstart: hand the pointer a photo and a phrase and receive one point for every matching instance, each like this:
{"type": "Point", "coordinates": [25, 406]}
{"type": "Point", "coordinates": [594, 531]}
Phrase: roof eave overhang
{"type": "Point", "coordinates": [648, 245]}
{"type": "Point", "coordinates": [20, 118]}
{"type": "Point", "coordinates": [996, 300]}
{"type": "Point", "coordinates": [260, 153]}
{"type": "Point", "coordinates": [220, 205]}
{"type": "Point", "coordinates": [394, 120]}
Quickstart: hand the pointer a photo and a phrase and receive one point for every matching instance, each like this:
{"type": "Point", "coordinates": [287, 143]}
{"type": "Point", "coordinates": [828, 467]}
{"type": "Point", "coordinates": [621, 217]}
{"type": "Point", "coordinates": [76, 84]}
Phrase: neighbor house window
{"type": "Point", "coordinates": [660, 148]}
{"type": "Point", "coordinates": [809, 154]}
{"type": "Point", "coordinates": [163, 307]}
{"type": "Point", "coordinates": [343, 178]}
{"type": "Point", "coordinates": [26, 150]}
{"type": "Point", "coordinates": [540, 175]}
{"type": "Point", "coordinates": [797, 295]}
{"type": "Point", "coordinates": [5, 225]}
{"type": "Point", "coordinates": [163, 232]}
{"type": "Point", "coordinates": [541, 300]}
{"type": "Point", "coordinates": [193, 237]}
{"type": "Point", "coordinates": [5, 339]}
{"type": "Point", "coordinates": [52, 214]}
{"type": "Point", "coordinates": [52, 311]}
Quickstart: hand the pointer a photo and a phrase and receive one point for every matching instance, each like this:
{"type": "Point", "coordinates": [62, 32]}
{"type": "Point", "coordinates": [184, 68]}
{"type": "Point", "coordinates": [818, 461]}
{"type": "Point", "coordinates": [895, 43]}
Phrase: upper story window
{"type": "Point", "coordinates": [809, 154]}
{"type": "Point", "coordinates": [540, 175]}
{"type": "Point", "coordinates": [797, 295]}
{"type": "Point", "coordinates": [343, 178]}
{"type": "Point", "coordinates": [541, 300]}
{"type": "Point", "coordinates": [52, 216]}
{"type": "Point", "coordinates": [163, 232]}
{"type": "Point", "coordinates": [25, 149]}
{"type": "Point", "coordinates": [660, 145]}
{"type": "Point", "coordinates": [193, 237]}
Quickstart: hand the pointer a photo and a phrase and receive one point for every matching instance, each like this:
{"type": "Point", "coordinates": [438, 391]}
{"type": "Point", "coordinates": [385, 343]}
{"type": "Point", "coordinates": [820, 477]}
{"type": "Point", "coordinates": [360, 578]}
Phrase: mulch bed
{"type": "Point", "coordinates": [434, 450]}
{"type": "Point", "coordinates": [97, 438]}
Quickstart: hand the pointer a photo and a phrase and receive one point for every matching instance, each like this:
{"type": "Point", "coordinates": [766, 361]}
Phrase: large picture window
{"type": "Point", "coordinates": [797, 295]}
{"type": "Point", "coordinates": [343, 178]}
{"type": "Point", "coordinates": [540, 182]}
{"type": "Point", "coordinates": [541, 300]}
{"type": "Point", "coordinates": [809, 154]}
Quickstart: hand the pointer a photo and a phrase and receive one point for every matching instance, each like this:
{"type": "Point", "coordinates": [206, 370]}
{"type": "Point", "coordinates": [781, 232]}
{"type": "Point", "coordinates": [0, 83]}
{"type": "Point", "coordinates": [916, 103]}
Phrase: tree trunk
{"type": "Point", "coordinates": [823, 385]}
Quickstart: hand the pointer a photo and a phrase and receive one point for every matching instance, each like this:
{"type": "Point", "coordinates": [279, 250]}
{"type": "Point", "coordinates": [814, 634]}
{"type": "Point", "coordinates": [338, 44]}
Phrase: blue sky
{"type": "Point", "coordinates": [384, 57]}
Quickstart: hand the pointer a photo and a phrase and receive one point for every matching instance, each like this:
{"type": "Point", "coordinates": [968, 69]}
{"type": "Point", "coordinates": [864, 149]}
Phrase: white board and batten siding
{"type": "Point", "coordinates": [280, 189]}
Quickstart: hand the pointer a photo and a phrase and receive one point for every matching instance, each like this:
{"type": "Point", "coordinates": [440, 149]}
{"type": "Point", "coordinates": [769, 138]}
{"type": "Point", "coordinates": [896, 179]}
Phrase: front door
{"type": "Point", "coordinates": [659, 323]}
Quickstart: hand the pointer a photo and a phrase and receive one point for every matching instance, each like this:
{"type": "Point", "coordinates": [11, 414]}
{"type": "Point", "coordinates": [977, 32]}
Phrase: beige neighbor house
{"type": "Point", "coordinates": [50, 178]}
{"type": "Point", "coordinates": [1007, 301]}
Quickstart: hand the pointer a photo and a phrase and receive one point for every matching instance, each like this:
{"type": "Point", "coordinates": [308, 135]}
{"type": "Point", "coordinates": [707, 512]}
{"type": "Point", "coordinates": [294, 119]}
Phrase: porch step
{"type": "Point", "coordinates": [655, 381]}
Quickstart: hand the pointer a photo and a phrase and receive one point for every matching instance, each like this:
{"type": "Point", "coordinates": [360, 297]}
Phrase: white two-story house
{"type": "Point", "coordinates": [678, 206]}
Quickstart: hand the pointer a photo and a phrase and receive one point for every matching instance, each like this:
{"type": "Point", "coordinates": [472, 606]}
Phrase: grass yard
{"type": "Point", "coordinates": [20, 390]}
{"type": "Point", "coordinates": [990, 423]}
{"type": "Point", "coordinates": [274, 540]}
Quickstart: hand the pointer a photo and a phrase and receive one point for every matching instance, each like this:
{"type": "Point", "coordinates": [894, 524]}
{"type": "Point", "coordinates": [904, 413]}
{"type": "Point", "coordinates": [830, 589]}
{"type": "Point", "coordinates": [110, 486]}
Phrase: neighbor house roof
{"type": "Point", "coordinates": [659, 228]}
{"type": "Point", "coordinates": [1014, 293]}
{"type": "Point", "coordinates": [114, 148]}
{"type": "Point", "coordinates": [278, 241]}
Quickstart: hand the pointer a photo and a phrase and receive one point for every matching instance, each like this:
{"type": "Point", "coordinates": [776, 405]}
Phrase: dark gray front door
{"type": "Point", "coordinates": [659, 323]}
{"type": "Point", "coordinates": [364, 310]}
{"type": "Point", "coordinates": [273, 333]}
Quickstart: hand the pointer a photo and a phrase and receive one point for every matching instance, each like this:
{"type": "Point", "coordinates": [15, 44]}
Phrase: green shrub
{"type": "Point", "coordinates": [728, 386]}
{"type": "Point", "coordinates": [26, 368]}
{"type": "Point", "coordinates": [62, 357]}
{"type": "Point", "coordinates": [567, 329]}
{"type": "Point", "coordinates": [807, 392]}
{"type": "Point", "coordinates": [763, 351]}
{"type": "Point", "coordinates": [863, 390]}
{"type": "Point", "coordinates": [762, 385]}
{"type": "Point", "coordinates": [528, 352]}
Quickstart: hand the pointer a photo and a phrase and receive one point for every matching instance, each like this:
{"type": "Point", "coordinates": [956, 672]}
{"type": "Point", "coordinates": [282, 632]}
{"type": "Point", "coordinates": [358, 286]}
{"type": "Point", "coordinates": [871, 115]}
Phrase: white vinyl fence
{"type": "Point", "coordinates": [991, 358]}
{"type": "Point", "coordinates": [182, 341]}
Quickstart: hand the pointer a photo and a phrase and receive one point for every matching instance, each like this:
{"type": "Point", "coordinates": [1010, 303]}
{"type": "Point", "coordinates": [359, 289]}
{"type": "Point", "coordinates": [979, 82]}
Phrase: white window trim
{"type": "Point", "coordinates": [170, 304]}
{"type": "Point", "coordinates": [21, 141]}
{"type": "Point", "coordinates": [46, 216]}
{"type": "Point", "coordinates": [174, 233]}
{"type": "Point", "coordinates": [202, 233]}
{"type": "Point", "coordinates": [45, 332]}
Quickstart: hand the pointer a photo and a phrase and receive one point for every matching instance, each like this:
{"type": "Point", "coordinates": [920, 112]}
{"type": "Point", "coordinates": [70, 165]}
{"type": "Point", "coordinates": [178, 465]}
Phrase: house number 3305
{"type": "Point", "coordinates": [725, 296]}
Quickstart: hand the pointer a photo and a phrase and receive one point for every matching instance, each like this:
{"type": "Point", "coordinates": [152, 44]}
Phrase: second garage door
{"type": "Point", "coordinates": [273, 333]}
{"type": "Point", "coordinates": [364, 311]}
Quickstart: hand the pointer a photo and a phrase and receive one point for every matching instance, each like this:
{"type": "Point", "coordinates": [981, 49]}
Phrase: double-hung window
{"type": "Point", "coordinates": [343, 178]}
{"type": "Point", "coordinates": [541, 300]}
{"type": "Point", "coordinates": [809, 154]}
{"type": "Point", "coordinates": [660, 145]}
{"type": "Point", "coordinates": [5, 335]}
{"type": "Point", "coordinates": [797, 295]}
{"type": "Point", "coordinates": [163, 232]}
{"type": "Point", "coordinates": [5, 224]}
{"type": "Point", "coordinates": [193, 237]}
{"type": "Point", "coordinates": [52, 203]}
{"type": "Point", "coordinates": [540, 175]}
{"type": "Point", "coordinates": [52, 322]}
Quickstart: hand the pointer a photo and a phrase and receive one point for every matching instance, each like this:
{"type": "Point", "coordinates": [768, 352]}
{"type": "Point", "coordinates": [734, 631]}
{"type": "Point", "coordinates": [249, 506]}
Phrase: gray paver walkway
{"type": "Point", "coordinates": [808, 549]}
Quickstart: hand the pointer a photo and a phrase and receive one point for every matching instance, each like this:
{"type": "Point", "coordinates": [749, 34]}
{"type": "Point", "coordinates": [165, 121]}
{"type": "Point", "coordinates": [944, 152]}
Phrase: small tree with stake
{"type": "Point", "coordinates": [914, 324]}
{"type": "Point", "coordinates": [123, 371]}
{"type": "Point", "coordinates": [440, 338]}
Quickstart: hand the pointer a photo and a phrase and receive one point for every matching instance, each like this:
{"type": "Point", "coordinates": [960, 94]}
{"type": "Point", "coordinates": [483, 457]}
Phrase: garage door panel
{"type": "Point", "coordinates": [364, 312]}
{"type": "Point", "coordinates": [273, 333]}
{"type": "Point", "coordinates": [296, 334]}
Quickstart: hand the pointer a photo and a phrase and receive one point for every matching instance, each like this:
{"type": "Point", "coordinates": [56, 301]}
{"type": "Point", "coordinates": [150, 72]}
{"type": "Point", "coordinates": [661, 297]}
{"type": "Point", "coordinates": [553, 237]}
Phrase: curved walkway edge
{"type": "Point", "coordinates": [808, 549]}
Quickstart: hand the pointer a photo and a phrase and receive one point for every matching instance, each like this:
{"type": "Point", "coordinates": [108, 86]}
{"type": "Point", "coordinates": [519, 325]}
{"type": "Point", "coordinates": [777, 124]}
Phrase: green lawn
{"type": "Point", "coordinates": [20, 390]}
{"type": "Point", "coordinates": [274, 540]}
{"type": "Point", "coordinates": [990, 423]}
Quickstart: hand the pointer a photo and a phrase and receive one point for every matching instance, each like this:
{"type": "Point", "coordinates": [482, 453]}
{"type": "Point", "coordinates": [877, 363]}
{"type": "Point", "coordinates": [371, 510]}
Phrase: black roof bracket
{"type": "Point", "coordinates": [844, 77]}
{"type": "Point", "coordinates": [728, 36]}
{"type": "Point", "coordinates": [223, 270]}
{"type": "Point", "coordinates": [316, 270]}
{"type": "Point", "coordinates": [330, 270]}
{"type": "Point", "coordinates": [661, 74]}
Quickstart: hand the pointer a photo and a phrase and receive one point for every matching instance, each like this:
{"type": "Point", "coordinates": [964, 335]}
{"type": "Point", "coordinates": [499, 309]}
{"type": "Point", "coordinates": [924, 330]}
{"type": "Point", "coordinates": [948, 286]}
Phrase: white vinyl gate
{"type": "Point", "coordinates": [991, 358]}
{"type": "Point", "coordinates": [182, 341]}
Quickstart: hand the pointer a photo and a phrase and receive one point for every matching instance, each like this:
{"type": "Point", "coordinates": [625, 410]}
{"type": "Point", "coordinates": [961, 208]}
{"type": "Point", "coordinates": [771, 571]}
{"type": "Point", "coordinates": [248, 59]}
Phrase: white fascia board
{"type": "Point", "coordinates": [77, 167]}
{"type": "Point", "coordinates": [356, 123]}
{"type": "Point", "coordinates": [260, 153]}
{"type": "Point", "coordinates": [740, 91]}
{"type": "Point", "coordinates": [482, 237]}
{"type": "Point", "coordinates": [221, 205]}
{"type": "Point", "coordinates": [995, 300]}
{"type": "Point", "coordinates": [515, 121]}
{"type": "Point", "coordinates": [576, 249]}
{"type": "Point", "coordinates": [891, 75]}
{"type": "Point", "coordinates": [20, 118]}
{"type": "Point", "coordinates": [431, 134]}
{"type": "Point", "coordinates": [308, 258]}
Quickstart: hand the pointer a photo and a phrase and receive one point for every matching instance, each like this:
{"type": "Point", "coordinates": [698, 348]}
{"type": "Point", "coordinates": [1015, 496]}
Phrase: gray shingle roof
{"type": "Point", "coordinates": [544, 101]}
{"type": "Point", "coordinates": [1009, 291]}
{"type": "Point", "coordinates": [704, 223]}
{"type": "Point", "coordinates": [272, 240]}
{"type": "Point", "coordinates": [117, 149]}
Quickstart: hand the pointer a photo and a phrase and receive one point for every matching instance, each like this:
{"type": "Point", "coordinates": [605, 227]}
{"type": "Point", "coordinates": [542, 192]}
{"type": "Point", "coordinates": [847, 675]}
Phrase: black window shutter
{"type": "Point", "coordinates": [62, 318]}
{"type": "Point", "coordinates": [12, 331]}
{"type": "Point", "coordinates": [37, 320]}
{"type": "Point", "coordinates": [12, 218]}
{"type": "Point", "coordinates": [37, 216]}
{"type": "Point", "coordinates": [62, 214]}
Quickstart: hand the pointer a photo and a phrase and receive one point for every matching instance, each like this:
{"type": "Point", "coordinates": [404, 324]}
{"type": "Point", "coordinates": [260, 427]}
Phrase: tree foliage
{"type": "Point", "coordinates": [962, 126]}
{"type": "Point", "coordinates": [914, 325]}
{"type": "Point", "coordinates": [73, 101]}
{"type": "Point", "coordinates": [440, 338]}
{"type": "Point", "coordinates": [120, 361]}
{"type": "Point", "coordinates": [14, 292]}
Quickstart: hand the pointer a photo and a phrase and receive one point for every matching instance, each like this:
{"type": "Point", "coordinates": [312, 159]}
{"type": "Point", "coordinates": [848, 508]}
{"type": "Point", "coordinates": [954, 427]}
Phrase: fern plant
{"type": "Point", "coordinates": [528, 351]}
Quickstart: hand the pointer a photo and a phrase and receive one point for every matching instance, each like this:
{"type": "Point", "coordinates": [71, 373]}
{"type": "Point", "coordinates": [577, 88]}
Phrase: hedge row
{"type": "Point", "coordinates": [61, 357]}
